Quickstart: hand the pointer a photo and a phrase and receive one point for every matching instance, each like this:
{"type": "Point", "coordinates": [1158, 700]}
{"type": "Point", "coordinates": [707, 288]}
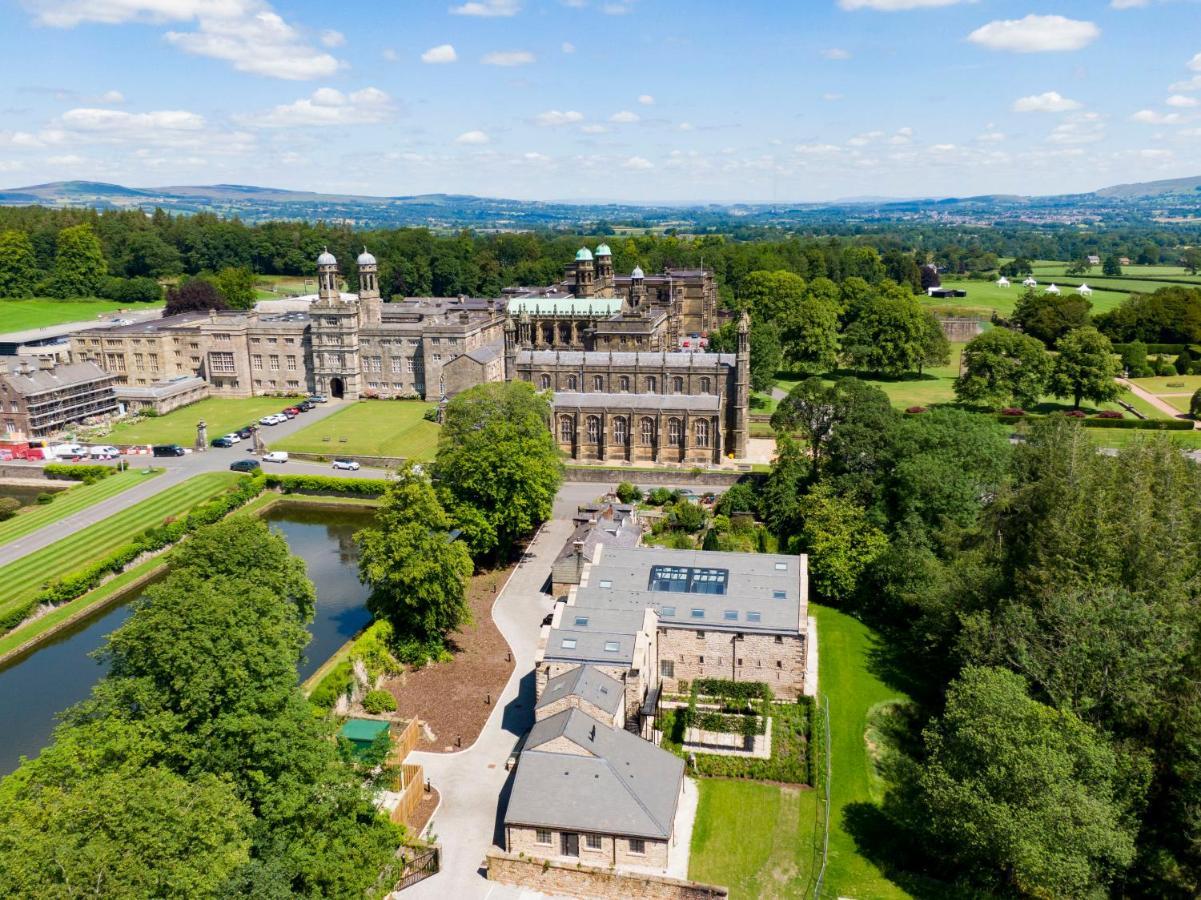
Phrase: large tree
{"type": "Point", "coordinates": [1002, 366]}
{"type": "Point", "coordinates": [236, 286]}
{"type": "Point", "coordinates": [888, 335]}
{"type": "Point", "coordinates": [840, 540]}
{"type": "Point", "coordinates": [1049, 317]}
{"type": "Point", "coordinates": [193, 295]}
{"type": "Point", "coordinates": [1085, 368]}
{"type": "Point", "coordinates": [417, 572]}
{"type": "Point", "coordinates": [79, 262]}
{"type": "Point", "coordinates": [1026, 797]}
{"type": "Point", "coordinates": [498, 468]}
{"type": "Point", "coordinates": [18, 265]}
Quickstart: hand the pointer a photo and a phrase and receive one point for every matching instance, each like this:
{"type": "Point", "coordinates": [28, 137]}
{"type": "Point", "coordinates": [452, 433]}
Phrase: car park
{"type": "Point", "coordinates": [168, 450]}
{"type": "Point", "coordinates": [289, 413]}
{"type": "Point", "coordinates": [273, 419]}
{"type": "Point", "coordinates": [245, 465]}
{"type": "Point", "coordinates": [351, 465]}
{"type": "Point", "coordinates": [246, 433]}
{"type": "Point", "coordinates": [318, 398]}
{"type": "Point", "coordinates": [276, 456]}
{"type": "Point", "coordinates": [221, 442]}
{"type": "Point", "coordinates": [304, 406]}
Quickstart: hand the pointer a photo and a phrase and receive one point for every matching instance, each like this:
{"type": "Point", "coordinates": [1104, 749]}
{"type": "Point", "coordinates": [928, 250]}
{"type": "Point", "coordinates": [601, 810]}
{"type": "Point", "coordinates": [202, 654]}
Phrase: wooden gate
{"type": "Point", "coordinates": [420, 866]}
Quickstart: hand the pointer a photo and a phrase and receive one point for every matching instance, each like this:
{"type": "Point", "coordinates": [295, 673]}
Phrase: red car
{"type": "Point", "coordinates": [290, 413]}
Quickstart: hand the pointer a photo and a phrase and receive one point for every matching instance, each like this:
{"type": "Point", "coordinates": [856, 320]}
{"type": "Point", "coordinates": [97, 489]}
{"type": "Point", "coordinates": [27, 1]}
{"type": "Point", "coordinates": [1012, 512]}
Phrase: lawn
{"type": "Point", "coordinates": [983, 297]}
{"type": "Point", "coordinates": [222, 414]}
{"type": "Point", "coordinates": [1174, 384]}
{"type": "Point", "coordinates": [24, 578]}
{"type": "Point", "coordinates": [19, 315]}
{"type": "Point", "coordinates": [369, 428]}
{"type": "Point", "coordinates": [68, 502]}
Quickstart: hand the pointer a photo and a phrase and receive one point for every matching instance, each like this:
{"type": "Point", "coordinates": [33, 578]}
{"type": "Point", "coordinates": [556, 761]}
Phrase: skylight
{"type": "Point", "coordinates": [612, 646]}
{"type": "Point", "coordinates": [568, 643]}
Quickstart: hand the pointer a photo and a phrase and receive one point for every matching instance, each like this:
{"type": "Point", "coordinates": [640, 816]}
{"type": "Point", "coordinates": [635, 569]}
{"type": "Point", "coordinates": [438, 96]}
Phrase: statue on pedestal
{"type": "Point", "coordinates": [202, 436]}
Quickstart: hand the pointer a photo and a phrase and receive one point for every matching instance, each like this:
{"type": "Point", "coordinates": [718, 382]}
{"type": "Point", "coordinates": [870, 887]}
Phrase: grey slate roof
{"type": "Point", "coordinates": [486, 353]}
{"type": "Point", "coordinates": [627, 787]}
{"type": "Point", "coordinates": [590, 643]}
{"type": "Point", "coordinates": [617, 402]}
{"type": "Point", "coordinates": [621, 580]}
{"type": "Point", "coordinates": [641, 358]}
{"type": "Point", "coordinates": [41, 381]}
{"type": "Point", "coordinates": [587, 683]}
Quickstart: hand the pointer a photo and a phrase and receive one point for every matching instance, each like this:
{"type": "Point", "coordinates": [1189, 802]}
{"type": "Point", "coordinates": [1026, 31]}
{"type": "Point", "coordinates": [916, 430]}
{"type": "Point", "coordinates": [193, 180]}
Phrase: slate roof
{"type": "Point", "coordinates": [617, 402]}
{"type": "Point", "coordinates": [627, 787]}
{"type": "Point", "coordinates": [587, 683]}
{"type": "Point", "coordinates": [643, 358]}
{"type": "Point", "coordinates": [41, 381]}
{"type": "Point", "coordinates": [486, 353]}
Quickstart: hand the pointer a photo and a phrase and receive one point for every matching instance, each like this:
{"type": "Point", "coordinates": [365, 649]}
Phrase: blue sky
{"type": "Point", "coordinates": [634, 100]}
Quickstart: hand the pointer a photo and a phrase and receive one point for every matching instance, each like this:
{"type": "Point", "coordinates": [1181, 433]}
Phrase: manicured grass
{"type": "Point", "coordinates": [369, 428]}
{"type": "Point", "coordinates": [221, 414]}
{"type": "Point", "coordinates": [24, 578]}
{"type": "Point", "coordinates": [19, 315]}
{"type": "Point", "coordinates": [1183, 384]}
{"type": "Point", "coordinates": [983, 297]}
{"type": "Point", "coordinates": [68, 502]}
{"type": "Point", "coordinates": [1181, 402]}
{"type": "Point", "coordinates": [759, 840]}
{"type": "Point", "coordinates": [1117, 437]}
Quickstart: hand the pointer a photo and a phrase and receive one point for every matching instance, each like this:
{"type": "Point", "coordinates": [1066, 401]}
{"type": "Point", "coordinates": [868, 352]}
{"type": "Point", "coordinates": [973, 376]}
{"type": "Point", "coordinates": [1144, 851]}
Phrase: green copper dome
{"type": "Point", "coordinates": [583, 254]}
{"type": "Point", "coordinates": [603, 250]}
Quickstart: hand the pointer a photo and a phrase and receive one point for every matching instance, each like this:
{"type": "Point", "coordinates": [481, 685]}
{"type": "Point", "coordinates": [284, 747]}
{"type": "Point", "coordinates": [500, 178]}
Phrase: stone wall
{"type": "Point", "coordinates": [960, 329]}
{"type": "Point", "coordinates": [592, 881]}
{"type": "Point", "coordinates": [592, 710]}
{"type": "Point", "coordinates": [776, 661]}
{"type": "Point", "coordinates": [609, 475]}
{"type": "Point", "coordinates": [614, 850]}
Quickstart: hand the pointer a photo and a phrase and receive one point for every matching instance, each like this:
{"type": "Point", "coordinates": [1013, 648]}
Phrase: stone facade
{"type": "Point", "coordinates": [775, 660]}
{"type": "Point", "coordinates": [613, 850]}
{"type": "Point", "coordinates": [39, 398]}
{"type": "Point", "coordinates": [571, 701]}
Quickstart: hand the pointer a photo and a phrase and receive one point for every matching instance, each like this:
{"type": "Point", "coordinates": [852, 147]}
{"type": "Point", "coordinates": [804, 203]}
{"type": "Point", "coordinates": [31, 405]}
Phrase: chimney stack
{"type": "Point", "coordinates": [46, 363]}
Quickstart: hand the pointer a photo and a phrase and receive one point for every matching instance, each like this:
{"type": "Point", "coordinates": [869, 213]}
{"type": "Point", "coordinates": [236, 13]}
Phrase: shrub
{"type": "Point", "coordinates": [8, 507]}
{"type": "Point", "coordinates": [659, 496]}
{"type": "Point", "coordinates": [327, 484]}
{"type": "Point", "coordinates": [628, 493]}
{"type": "Point", "coordinates": [1110, 414]}
{"type": "Point", "coordinates": [916, 410]}
{"type": "Point", "coordinates": [732, 690]}
{"type": "Point", "coordinates": [61, 472]}
{"type": "Point", "coordinates": [44, 498]}
{"type": "Point", "coordinates": [1142, 424]}
{"type": "Point", "coordinates": [1013, 411]}
{"type": "Point", "coordinates": [1165, 369]}
{"type": "Point", "coordinates": [337, 681]}
{"type": "Point", "coordinates": [431, 414]}
{"type": "Point", "coordinates": [377, 702]}
{"type": "Point", "coordinates": [1194, 405]}
{"type": "Point", "coordinates": [1076, 414]}
{"type": "Point", "coordinates": [1184, 363]}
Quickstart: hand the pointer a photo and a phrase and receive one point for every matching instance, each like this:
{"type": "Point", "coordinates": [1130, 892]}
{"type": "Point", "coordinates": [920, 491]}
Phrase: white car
{"type": "Point", "coordinates": [107, 452]}
{"type": "Point", "coordinates": [351, 465]}
{"type": "Point", "coordinates": [233, 437]}
{"type": "Point", "coordinates": [276, 456]}
{"type": "Point", "coordinates": [272, 419]}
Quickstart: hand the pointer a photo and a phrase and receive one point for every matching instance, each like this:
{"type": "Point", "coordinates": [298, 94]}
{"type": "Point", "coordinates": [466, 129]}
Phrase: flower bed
{"type": "Point", "coordinates": [790, 745]}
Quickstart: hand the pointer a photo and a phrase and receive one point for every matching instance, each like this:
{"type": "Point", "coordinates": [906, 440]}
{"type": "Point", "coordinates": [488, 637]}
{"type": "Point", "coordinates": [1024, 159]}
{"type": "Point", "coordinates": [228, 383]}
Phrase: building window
{"type": "Point", "coordinates": [667, 668]}
{"type": "Point", "coordinates": [273, 361]}
{"type": "Point", "coordinates": [623, 384]}
{"type": "Point", "coordinates": [291, 363]}
{"type": "Point", "coordinates": [581, 621]}
{"type": "Point", "coordinates": [674, 432]}
{"type": "Point", "coordinates": [568, 643]}
{"type": "Point", "coordinates": [256, 361]}
{"type": "Point", "coordinates": [677, 385]}
{"type": "Point", "coordinates": [221, 363]}
{"type": "Point", "coordinates": [566, 429]}
{"type": "Point", "coordinates": [651, 384]}
{"type": "Point", "coordinates": [621, 432]}
{"type": "Point", "coordinates": [592, 841]}
{"type": "Point", "coordinates": [638, 846]}
{"type": "Point", "coordinates": [598, 383]}
{"type": "Point", "coordinates": [594, 429]}
{"type": "Point", "coordinates": [612, 646]}
{"type": "Point", "coordinates": [542, 835]}
{"type": "Point", "coordinates": [648, 431]}
{"type": "Point", "coordinates": [606, 583]}
{"type": "Point", "coordinates": [573, 383]}
{"type": "Point", "coordinates": [704, 385]}
{"type": "Point", "coordinates": [409, 365]}
{"type": "Point", "coordinates": [396, 369]}
{"type": "Point", "coordinates": [702, 433]}
{"type": "Point", "coordinates": [731, 615]}
{"type": "Point", "coordinates": [779, 595]}
{"type": "Point", "coordinates": [544, 380]}
{"type": "Point", "coordinates": [753, 616]}
{"type": "Point", "coordinates": [139, 361]}
{"type": "Point", "coordinates": [698, 614]}
{"type": "Point", "coordinates": [667, 611]}
{"type": "Point", "coordinates": [779, 638]}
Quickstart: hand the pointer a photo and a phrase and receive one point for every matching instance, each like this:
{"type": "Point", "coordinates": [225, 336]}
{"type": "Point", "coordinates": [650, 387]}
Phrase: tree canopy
{"type": "Point", "coordinates": [1001, 367]}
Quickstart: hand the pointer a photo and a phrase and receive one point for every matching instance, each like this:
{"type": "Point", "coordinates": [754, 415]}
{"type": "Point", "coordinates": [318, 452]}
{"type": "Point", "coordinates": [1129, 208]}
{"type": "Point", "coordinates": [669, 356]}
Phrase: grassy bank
{"type": "Point", "coordinates": [69, 502]}
{"type": "Point", "coordinates": [20, 315]}
{"type": "Point", "coordinates": [368, 428]}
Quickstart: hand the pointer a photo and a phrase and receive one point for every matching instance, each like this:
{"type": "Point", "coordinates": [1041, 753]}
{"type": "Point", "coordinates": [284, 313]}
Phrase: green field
{"type": "Point", "coordinates": [284, 286]}
{"type": "Point", "coordinates": [222, 414]}
{"type": "Point", "coordinates": [19, 315]}
{"type": "Point", "coordinates": [984, 297]}
{"type": "Point", "coordinates": [24, 578]}
{"type": "Point", "coordinates": [1173, 384]}
{"type": "Point", "coordinates": [369, 428]}
{"type": "Point", "coordinates": [68, 502]}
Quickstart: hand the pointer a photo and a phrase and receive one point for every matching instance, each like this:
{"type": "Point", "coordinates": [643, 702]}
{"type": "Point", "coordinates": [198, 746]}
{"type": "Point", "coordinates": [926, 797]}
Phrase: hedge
{"type": "Point", "coordinates": [70, 587]}
{"type": "Point", "coordinates": [732, 690]}
{"type": "Point", "coordinates": [61, 472]}
{"type": "Point", "coordinates": [327, 484]}
{"type": "Point", "coordinates": [790, 759]}
{"type": "Point", "coordinates": [1140, 424]}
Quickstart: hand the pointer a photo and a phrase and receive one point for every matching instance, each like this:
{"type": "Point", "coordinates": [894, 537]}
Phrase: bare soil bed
{"type": "Point", "coordinates": [453, 700]}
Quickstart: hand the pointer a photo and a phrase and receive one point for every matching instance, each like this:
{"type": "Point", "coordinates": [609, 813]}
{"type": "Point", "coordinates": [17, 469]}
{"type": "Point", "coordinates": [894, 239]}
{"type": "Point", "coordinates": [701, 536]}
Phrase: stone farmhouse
{"type": "Point", "coordinates": [610, 348]}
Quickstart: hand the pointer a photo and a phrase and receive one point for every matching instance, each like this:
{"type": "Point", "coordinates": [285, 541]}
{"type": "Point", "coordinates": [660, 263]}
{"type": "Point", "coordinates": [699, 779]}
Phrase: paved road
{"type": "Point", "coordinates": [178, 469]}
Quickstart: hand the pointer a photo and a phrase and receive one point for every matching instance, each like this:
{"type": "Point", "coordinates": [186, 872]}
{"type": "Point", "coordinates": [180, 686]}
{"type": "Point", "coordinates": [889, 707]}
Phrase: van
{"type": "Point", "coordinates": [168, 450]}
{"type": "Point", "coordinates": [105, 452]}
{"type": "Point", "coordinates": [276, 456]}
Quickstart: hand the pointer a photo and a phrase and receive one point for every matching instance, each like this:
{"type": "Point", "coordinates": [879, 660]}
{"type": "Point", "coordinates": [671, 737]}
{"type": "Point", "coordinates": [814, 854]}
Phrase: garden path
{"type": "Point", "coordinates": [1154, 399]}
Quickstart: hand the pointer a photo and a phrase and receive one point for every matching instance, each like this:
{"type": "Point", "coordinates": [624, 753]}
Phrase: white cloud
{"type": "Point", "coordinates": [685, 126]}
{"type": "Point", "coordinates": [1156, 154]}
{"type": "Point", "coordinates": [1193, 84]}
{"type": "Point", "coordinates": [508, 58]}
{"type": "Point", "coordinates": [1152, 117]}
{"type": "Point", "coordinates": [390, 54]}
{"type": "Point", "coordinates": [862, 140]}
{"type": "Point", "coordinates": [896, 5]}
{"type": "Point", "coordinates": [111, 98]}
{"type": "Point", "coordinates": [535, 157]}
{"type": "Point", "coordinates": [836, 53]}
{"type": "Point", "coordinates": [443, 53]}
{"type": "Point", "coordinates": [990, 137]}
{"type": "Point", "coordinates": [558, 117]}
{"type": "Point", "coordinates": [832, 96]}
{"type": "Point", "coordinates": [1036, 34]}
{"type": "Point", "coordinates": [332, 38]}
{"type": "Point", "coordinates": [248, 34]}
{"type": "Point", "coordinates": [1049, 102]}
{"type": "Point", "coordinates": [594, 128]}
{"type": "Point", "coordinates": [1128, 4]}
{"type": "Point", "coordinates": [68, 159]}
{"type": "Point", "coordinates": [1195, 63]}
{"type": "Point", "coordinates": [903, 136]}
{"type": "Point", "coordinates": [646, 99]}
{"type": "Point", "coordinates": [625, 117]}
{"type": "Point", "coordinates": [327, 106]}
{"type": "Point", "coordinates": [638, 164]}
{"type": "Point", "coordinates": [567, 47]}
{"type": "Point", "coordinates": [488, 8]}
{"type": "Point", "coordinates": [1079, 128]}
{"type": "Point", "coordinates": [473, 137]}
{"type": "Point", "coordinates": [1182, 102]}
{"type": "Point", "coordinates": [115, 121]}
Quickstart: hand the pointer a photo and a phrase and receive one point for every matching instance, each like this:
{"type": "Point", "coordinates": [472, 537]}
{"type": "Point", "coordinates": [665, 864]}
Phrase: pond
{"type": "Point", "coordinates": [59, 673]}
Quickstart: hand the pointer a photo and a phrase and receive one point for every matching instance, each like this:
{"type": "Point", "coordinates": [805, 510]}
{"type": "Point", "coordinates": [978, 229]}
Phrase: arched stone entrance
{"type": "Point", "coordinates": [337, 389]}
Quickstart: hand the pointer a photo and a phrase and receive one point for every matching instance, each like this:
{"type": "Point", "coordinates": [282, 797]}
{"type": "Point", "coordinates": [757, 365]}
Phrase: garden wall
{"type": "Point", "coordinates": [581, 880]}
{"type": "Point", "coordinates": [608, 475]}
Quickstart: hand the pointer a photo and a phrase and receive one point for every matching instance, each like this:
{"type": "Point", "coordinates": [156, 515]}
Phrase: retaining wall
{"type": "Point", "coordinates": [591, 881]}
{"type": "Point", "coordinates": [607, 475]}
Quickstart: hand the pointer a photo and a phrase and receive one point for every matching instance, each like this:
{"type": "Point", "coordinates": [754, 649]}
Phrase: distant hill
{"type": "Point", "coordinates": [1186, 186]}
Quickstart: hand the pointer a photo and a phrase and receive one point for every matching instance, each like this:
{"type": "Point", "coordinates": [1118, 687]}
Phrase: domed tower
{"type": "Point", "coordinates": [585, 273]}
{"type": "Point", "coordinates": [637, 299]}
{"type": "Point", "coordinates": [604, 271]}
{"type": "Point", "coordinates": [334, 332]}
{"type": "Point", "coordinates": [369, 298]}
{"type": "Point", "coordinates": [327, 276]}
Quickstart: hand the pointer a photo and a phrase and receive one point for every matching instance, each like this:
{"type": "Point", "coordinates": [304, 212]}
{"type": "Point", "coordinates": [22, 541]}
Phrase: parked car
{"type": "Point", "coordinates": [221, 442]}
{"type": "Point", "coordinates": [104, 452]}
{"type": "Point", "coordinates": [304, 405]}
{"type": "Point", "coordinates": [245, 465]}
{"type": "Point", "coordinates": [246, 433]}
{"type": "Point", "coordinates": [168, 450]}
{"type": "Point", "coordinates": [318, 398]}
{"type": "Point", "coordinates": [351, 465]}
{"type": "Point", "coordinates": [233, 437]}
{"type": "Point", "coordinates": [288, 413]}
{"type": "Point", "coordinates": [276, 456]}
{"type": "Point", "coordinates": [273, 419]}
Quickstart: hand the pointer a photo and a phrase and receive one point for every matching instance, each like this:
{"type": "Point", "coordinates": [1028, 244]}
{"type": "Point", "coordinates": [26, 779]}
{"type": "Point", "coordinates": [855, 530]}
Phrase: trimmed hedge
{"type": "Point", "coordinates": [732, 690]}
{"type": "Point", "coordinates": [790, 763]}
{"type": "Point", "coordinates": [327, 484]}
{"type": "Point", "coordinates": [1139, 424]}
{"type": "Point", "coordinates": [61, 472]}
